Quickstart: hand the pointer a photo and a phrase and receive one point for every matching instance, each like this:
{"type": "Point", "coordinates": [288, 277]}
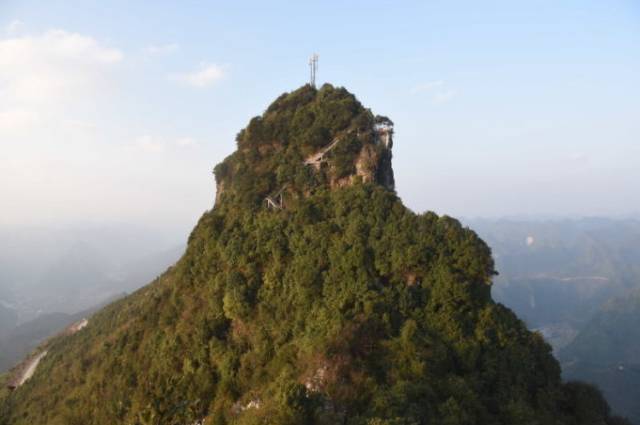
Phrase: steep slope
{"type": "Point", "coordinates": [606, 352]}
{"type": "Point", "coordinates": [310, 295]}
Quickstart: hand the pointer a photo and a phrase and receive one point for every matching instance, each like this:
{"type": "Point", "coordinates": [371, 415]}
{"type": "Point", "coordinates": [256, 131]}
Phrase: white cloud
{"type": "Point", "coordinates": [148, 144]}
{"type": "Point", "coordinates": [56, 45]}
{"type": "Point", "coordinates": [437, 91]}
{"type": "Point", "coordinates": [444, 96]}
{"type": "Point", "coordinates": [427, 86]}
{"type": "Point", "coordinates": [156, 145]}
{"type": "Point", "coordinates": [41, 75]}
{"type": "Point", "coordinates": [186, 142]}
{"type": "Point", "coordinates": [81, 125]}
{"type": "Point", "coordinates": [207, 75]}
{"type": "Point", "coordinates": [578, 157]}
{"type": "Point", "coordinates": [51, 66]}
{"type": "Point", "coordinates": [161, 49]}
{"type": "Point", "coordinates": [14, 120]}
{"type": "Point", "coordinates": [14, 26]}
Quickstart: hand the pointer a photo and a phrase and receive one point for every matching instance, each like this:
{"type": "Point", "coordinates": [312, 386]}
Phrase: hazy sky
{"type": "Point", "coordinates": [118, 110]}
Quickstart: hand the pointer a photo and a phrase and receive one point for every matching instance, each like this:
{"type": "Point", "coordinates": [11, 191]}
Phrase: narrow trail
{"type": "Point", "coordinates": [275, 201]}
{"type": "Point", "coordinates": [25, 370]}
{"type": "Point", "coordinates": [316, 158]}
{"type": "Point", "coordinates": [78, 326]}
{"type": "Point", "coordinates": [30, 369]}
{"type": "Point", "coordinates": [543, 276]}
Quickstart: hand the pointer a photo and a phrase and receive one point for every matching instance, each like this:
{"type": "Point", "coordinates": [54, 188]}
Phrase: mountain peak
{"type": "Point", "coordinates": [343, 308]}
{"type": "Point", "coordinates": [306, 140]}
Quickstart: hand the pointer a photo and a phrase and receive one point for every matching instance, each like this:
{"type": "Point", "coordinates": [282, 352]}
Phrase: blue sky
{"type": "Point", "coordinates": [117, 111]}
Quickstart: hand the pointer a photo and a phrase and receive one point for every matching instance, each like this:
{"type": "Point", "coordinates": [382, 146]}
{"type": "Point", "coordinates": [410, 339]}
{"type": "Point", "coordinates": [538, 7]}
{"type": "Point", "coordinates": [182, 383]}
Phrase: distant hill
{"type": "Point", "coordinates": [556, 274]}
{"type": "Point", "coordinates": [18, 342]}
{"type": "Point", "coordinates": [606, 352]}
{"type": "Point", "coordinates": [578, 282]}
{"type": "Point", "coordinates": [68, 269]}
{"type": "Point", "coordinates": [8, 318]}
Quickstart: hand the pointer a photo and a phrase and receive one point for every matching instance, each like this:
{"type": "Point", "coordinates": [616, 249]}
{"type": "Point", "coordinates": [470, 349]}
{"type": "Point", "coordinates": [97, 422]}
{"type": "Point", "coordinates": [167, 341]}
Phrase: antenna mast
{"type": "Point", "coordinates": [313, 67]}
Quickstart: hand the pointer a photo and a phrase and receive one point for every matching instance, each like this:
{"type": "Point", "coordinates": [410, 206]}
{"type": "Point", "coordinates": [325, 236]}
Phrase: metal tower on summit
{"type": "Point", "coordinates": [313, 67]}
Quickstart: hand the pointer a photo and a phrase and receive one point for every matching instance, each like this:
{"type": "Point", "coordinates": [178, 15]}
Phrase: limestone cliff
{"type": "Point", "coordinates": [307, 140]}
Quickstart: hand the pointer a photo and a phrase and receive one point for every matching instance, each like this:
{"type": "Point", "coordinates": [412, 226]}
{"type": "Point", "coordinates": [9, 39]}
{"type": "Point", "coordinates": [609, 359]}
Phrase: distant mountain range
{"type": "Point", "coordinates": [19, 341]}
{"type": "Point", "coordinates": [578, 283]}
{"type": "Point", "coordinates": [607, 352]}
{"type": "Point", "coordinates": [66, 270]}
{"type": "Point", "coordinates": [8, 318]}
{"type": "Point", "coordinates": [50, 279]}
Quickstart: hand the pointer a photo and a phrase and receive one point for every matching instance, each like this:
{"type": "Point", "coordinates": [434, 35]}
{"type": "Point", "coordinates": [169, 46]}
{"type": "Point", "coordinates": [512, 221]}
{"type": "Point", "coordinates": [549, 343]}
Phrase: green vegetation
{"type": "Point", "coordinates": [342, 308]}
{"type": "Point", "coordinates": [272, 148]}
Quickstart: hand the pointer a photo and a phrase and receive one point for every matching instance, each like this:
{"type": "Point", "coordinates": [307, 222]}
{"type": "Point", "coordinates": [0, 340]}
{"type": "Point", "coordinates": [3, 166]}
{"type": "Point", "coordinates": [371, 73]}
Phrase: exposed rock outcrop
{"type": "Point", "coordinates": [304, 142]}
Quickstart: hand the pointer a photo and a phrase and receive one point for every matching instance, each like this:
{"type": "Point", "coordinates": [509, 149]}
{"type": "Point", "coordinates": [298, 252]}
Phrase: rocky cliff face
{"type": "Point", "coordinates": [372, 164]}
{"type": "Point", "coordinates": [329, 140]}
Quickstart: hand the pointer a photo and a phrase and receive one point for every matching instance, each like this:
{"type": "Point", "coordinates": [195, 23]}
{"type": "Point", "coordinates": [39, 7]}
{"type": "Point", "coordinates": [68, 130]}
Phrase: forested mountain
{"type": "Point", "coordinates": [310, 295]}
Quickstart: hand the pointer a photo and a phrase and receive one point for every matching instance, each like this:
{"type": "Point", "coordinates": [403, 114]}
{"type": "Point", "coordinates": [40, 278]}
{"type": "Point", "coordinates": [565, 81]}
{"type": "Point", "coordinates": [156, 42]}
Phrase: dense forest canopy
{"type": "Point", "coordinates": [340, 307]}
